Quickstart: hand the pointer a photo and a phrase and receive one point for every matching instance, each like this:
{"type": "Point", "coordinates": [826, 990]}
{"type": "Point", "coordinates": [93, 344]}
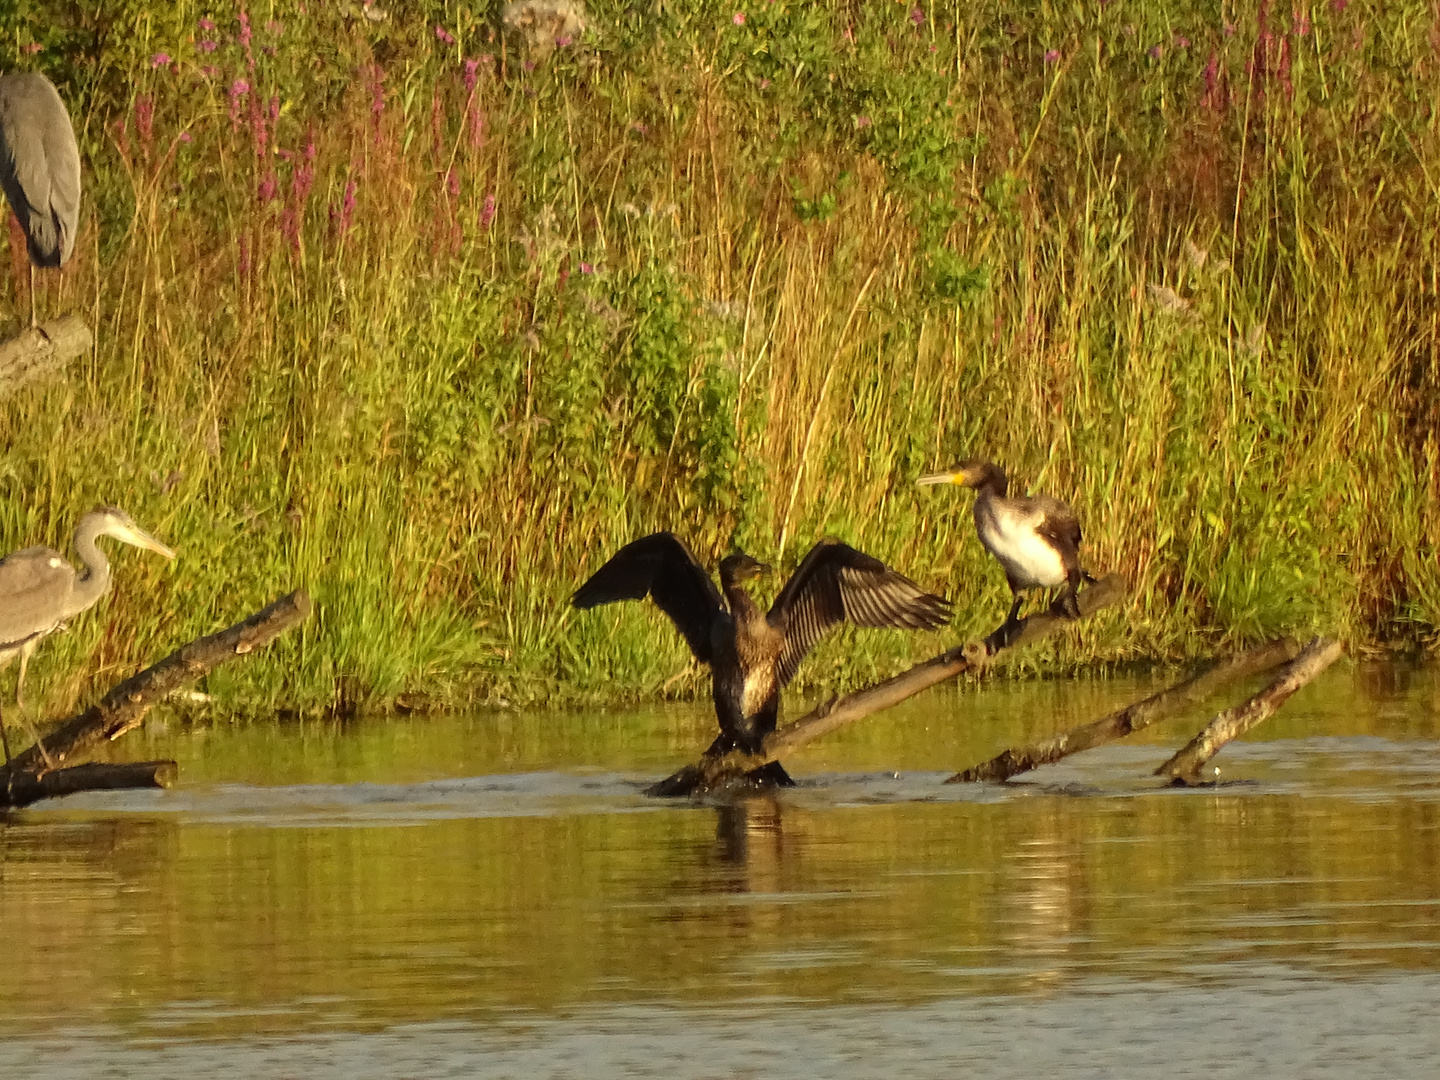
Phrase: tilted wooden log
{"type": "Point", "coordinates": [125, 706]}
{"type": "Point", "coordinates": [39, 350]}
{"type": "Point", "coordinates": [1132, 718]}
{"type": "Point", "coordinates": [716, 771]}
{"type": "Point", "coordinates": [1185, 766]}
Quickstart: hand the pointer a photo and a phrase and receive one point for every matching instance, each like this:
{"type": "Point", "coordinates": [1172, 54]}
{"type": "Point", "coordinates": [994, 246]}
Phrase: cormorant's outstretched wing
{"type": "Point", "coordinates": [834, 583]}
{"type": "Point", "coordinates": [659, 566]}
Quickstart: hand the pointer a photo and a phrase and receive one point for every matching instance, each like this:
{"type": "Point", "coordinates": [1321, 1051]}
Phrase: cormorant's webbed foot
{"type": "Point", "coordinates": [771, 774]}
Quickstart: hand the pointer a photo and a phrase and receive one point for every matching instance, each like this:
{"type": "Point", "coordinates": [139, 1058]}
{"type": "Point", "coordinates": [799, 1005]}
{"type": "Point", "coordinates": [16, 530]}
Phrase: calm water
{"type": "Point", "coordinates": [492, 896]}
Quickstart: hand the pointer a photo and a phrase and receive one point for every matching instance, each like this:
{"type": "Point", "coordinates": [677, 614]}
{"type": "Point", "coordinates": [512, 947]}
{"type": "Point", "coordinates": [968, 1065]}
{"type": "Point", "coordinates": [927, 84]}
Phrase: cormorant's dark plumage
{"type": "Point", "coordinates": [754, 654]}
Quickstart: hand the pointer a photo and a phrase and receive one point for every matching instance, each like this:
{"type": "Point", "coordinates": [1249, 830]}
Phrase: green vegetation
{"type": "Point", "coordinates": [385, 312]}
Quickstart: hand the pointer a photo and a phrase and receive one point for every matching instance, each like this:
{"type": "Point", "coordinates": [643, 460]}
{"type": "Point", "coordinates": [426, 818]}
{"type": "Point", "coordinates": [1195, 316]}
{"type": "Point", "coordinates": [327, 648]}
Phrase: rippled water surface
{"type": "Point", "coordinates": [493, 896]}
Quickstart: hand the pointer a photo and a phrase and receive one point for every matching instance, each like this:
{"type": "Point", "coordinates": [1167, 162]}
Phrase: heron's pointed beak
{"type": "Point", "coordinates": [133, 534]}
{"type": "Point", "coordinates": [949, 476]}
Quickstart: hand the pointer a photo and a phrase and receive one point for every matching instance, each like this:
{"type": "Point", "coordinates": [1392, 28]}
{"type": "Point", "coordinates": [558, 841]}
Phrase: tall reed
{"type": "Point", "coordinates": [388, 311]}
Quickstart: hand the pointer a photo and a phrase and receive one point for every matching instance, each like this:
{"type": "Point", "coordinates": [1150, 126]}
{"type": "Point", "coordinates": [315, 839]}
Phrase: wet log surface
{"type": "Point", "coordinates": [731, 769]}
{"type": "Point", "coordinates": [1184, 768]}
{"type": "Point", "coordinates": [124, 708]}
{"type": "Point", "coordinates": [1132, 718]}
{"type": "Point", "coordinates": [37, 351]}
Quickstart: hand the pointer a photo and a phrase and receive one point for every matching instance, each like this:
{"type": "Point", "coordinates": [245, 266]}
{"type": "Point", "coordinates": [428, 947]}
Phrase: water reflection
{"type": "Point", "coordinates": [367, 896]}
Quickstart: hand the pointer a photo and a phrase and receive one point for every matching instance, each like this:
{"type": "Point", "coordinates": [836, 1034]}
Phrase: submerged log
{"type": "Point", "coordinates": [125, 706]}
{"type": "Point", "coordinates": [713, 771]}
{"type": "Point", "coordinates": [1184, 768]}
{"type": "Point", "coordinates": [40, 350]}
{"type": "Point", "coordinates": [24, 788]}
{"type": "Point", "coordinates": [1132, 718]}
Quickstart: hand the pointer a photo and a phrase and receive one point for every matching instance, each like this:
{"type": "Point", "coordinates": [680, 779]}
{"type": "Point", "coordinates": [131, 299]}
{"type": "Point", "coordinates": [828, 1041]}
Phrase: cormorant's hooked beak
{"type": "Point", "coordinates": [133, 534]}
{"type": "Point", "coordinates": [949, 476]}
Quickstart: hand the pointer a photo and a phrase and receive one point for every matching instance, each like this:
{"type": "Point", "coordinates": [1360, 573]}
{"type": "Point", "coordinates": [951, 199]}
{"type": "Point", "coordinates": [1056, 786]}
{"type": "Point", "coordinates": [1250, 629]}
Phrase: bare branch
{"type": "Point", "coordinates": [1185, 766]}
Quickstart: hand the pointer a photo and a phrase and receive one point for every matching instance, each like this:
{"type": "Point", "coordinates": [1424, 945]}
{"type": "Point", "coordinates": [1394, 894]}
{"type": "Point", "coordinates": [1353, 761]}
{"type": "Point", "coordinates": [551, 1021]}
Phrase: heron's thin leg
{"type": "Point", "coordinates": [24, 717]}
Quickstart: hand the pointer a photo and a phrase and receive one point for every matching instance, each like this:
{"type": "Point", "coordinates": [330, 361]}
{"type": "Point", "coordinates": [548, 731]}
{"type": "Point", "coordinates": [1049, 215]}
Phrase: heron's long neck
{"type": "Point", "coordinates": [95, 581]}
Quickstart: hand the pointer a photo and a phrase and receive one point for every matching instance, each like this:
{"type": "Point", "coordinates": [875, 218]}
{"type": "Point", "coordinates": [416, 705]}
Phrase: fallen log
{"type": "Point", "coordinates": [125, 706]}
{"type": "Point", "coordinates": [24, 788]}
{"type": "Point", "coordinates": [1184, 768]}
{"type": "Point", "coordinates": [718, 770]}
{"type": "Point", "coordinates": [1130, 719]}
{"type": "Point", "coordinates": [40, 350]}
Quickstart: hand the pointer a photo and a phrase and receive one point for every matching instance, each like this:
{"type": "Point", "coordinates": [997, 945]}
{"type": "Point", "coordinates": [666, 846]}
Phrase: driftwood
{"type": "Point", "coordinates": [1132, 718]}
{"type": "Point", "coordinates": [714, 771]}
{"type": "Point", "coordinates": [1184, 768]}
{"type": "Point", "coordinates": [40, 350]}
{"type": "Point", "coordinates": [125, 706]}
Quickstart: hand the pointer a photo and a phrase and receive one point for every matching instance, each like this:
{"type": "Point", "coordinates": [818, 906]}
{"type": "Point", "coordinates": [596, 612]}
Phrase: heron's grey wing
{"type": "Point", "coordinates": [834, 583]}
{"type": "Point", "coordinates": [40, 165]}
{"type": "Point", "coordinates": [35, 586]}
{"type": "Point", "coordinates": [660, 566]}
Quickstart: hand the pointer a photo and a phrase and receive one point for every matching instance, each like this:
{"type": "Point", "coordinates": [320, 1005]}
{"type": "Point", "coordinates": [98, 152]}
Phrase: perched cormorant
{"type": "Point", "coordinates": [1034, 537]}
{"type": "Point", "coordinates": [753, 654]}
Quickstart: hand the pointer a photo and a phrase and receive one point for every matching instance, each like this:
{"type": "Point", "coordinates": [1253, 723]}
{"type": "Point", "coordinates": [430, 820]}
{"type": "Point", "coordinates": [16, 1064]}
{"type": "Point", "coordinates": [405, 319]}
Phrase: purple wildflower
{"type": "Point", "coordinates": [184, 136]}
{"type": "Point", "coordinates": [862, 121]}
{"type": "Point", "coordinates": [1181, 41]}
{"type": "Point", "coordinates": [738, 18]}
{"type": "Point", "coordinates": [477, 129]}
{"type": "Point", "coordinates": [267, 188]}
{"type": "Point", "coordinates": [144, 118]}
{"type": "Point", "coordinates": [917, 16]}
{"type": "Point", "coordinates": [586, 268]}
{"type": "Point", "coordinates": [1338, 6]}
{"type": "Point", "coordinates": [341, 218]}
{"type": "Point", "coordinates": [444, 36]}
{"type": "Point", "coordinates": [1155, 52]}
{"type": "Point", "coordinates": [244, 30]}
{"type": "Point", "coordinates": [160, 59]}
{"type": "Point", "coordinates": [487, 212]}
{"type": "Point", "coordinates": [452, 183]}
{"type": "Point", "coordinates": [472, 68]}
{"type": "Point", "coordinates": [206, 25]}
{"type": "Point", "coordinates": [564, 41]}
{"type": "Point", "coordinates": [209, 71]}
{"type": "Point", "coordinates": [1052, 55]}
{"type": "Point", "coordinates": [206, 46]}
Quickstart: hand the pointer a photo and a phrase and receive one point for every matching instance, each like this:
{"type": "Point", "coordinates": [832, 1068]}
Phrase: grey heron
{"type": "Point", "coordinates": [39, 169]}
{"type": "Point", "coordinates": [753, 654]}
{"type": "Point", "coordinates": [40, 590]}
{"type": "Point", "coordinates": [1034, 537]}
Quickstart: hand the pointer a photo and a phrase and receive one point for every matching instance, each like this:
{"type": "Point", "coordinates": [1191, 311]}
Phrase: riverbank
{"type": "Point", "coordinates": [384, 311]}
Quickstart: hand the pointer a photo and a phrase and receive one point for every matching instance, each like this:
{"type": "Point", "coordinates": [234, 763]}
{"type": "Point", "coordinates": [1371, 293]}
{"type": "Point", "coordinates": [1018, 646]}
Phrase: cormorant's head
{"type": "Point", "coordinates": [741, 567]}
{"type": "Point", "coordinates": [974, 473]}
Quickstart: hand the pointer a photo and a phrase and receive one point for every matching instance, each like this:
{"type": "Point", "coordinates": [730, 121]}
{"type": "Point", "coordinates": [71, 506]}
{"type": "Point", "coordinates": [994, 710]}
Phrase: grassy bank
{"type": "Point", "coordinates": [384, 311]}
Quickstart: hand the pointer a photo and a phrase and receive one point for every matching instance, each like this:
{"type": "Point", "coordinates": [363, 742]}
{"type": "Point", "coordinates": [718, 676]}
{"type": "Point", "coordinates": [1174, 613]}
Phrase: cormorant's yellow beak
{"type": "Point", "coordinates": [949, 476]}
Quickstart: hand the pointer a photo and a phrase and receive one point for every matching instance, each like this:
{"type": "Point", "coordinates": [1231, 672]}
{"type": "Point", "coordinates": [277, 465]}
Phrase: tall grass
{"type": "Point", "coordinates": [388, 312]}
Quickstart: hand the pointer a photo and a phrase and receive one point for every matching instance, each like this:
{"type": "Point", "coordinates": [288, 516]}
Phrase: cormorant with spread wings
{"type": "Point", "coordinates": [753, 654]}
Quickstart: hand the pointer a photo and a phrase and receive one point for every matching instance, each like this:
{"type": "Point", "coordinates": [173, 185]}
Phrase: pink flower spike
{"type": "Point", "coordinates": [160, 59]}
{"type": "Point", "coordinates": [738, 18]}
{"type": "Point", "coordinates": [1052, 55]}
{"type": "Point", "coordinates": [1155, 52]}
{"type": "Point", "coordinates": [917, 17]}
{"type": "Point", "coordinates": [487, 212]}
{"type": "Point", "coordinates": [206, 46]}
{"type": "Point", "coordinates": [184, 136]}
{"type": "Point", "coordinates": [206, 25]}
{"type": "Point", "coordinates": [444, 35]}
{"type": "Point", "coordinates": [586, 268]}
